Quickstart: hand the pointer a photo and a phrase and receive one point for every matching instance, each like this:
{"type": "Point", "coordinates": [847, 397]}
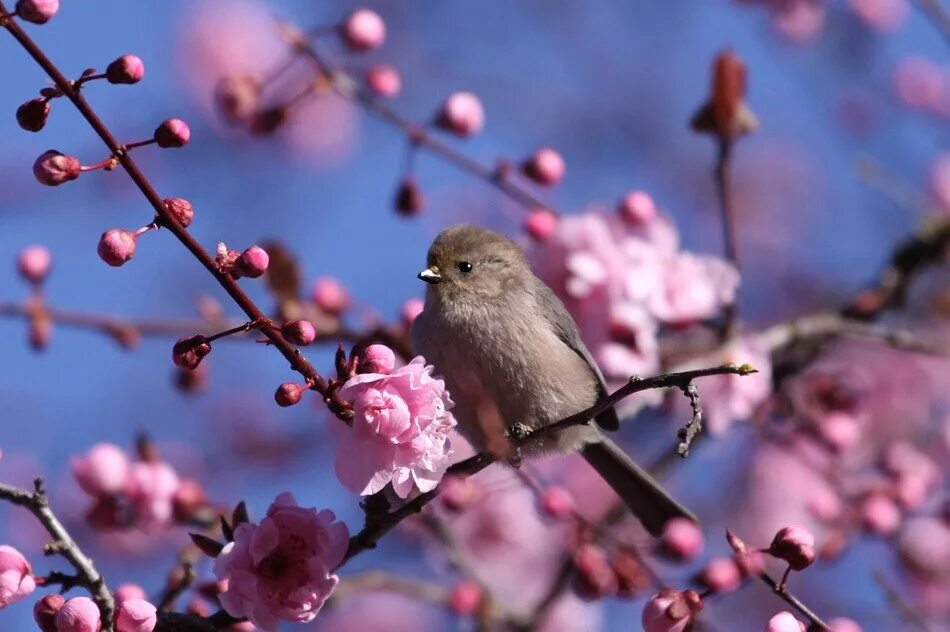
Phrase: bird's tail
{"type": "Point", "coordinates": [648, 501]}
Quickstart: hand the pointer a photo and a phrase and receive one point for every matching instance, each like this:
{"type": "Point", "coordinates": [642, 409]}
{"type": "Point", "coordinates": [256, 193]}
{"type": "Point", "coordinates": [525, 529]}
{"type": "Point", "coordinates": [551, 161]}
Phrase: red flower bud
{"type": "Point", "coordinates": [638, 208]}
{"type": "Point", "coordinates": [384, 80]}
{"type": "Point", "coordinates": [545, 166]}
{"type": "Point", "coordinates": [557, 502]}
{"type": "Point", "coordinates": [126, 69]}
{"type": "Point", "coordinates": [37, 11]}
{"type": "Point", "coordinates": [252, 263]}
{"type": "Point", "coordinates": [53, 168]}
{"type": "Point", "coordinates": [461, 114]}
{"type": "Point", "coordinates": [32, 115]}
{"type": "Point", "coordinates": [236, 97]}
{"type": "Point", "coordinates": [795, 545]}
{"type": "Point", "coordinates": [172, 133]}
{"type": "Point", "coordinates": [289, 394]}
{"type": "Point", "coordinates": [188, 352]}
{"type": "Point", "coordinates": [181, 210]}
{"type": "Point", "coordinates": [44, 612]}
{"type": "Point", "coordinates": [540, 223]}
{"type": "Point", "coordinates": [363, 30]}
{"type": "Point", "coordinates": [409, 199]}
{"type": "Point", "coordinates": [299, 332]}
{"type": "Point", "coordinates": [116, 246]}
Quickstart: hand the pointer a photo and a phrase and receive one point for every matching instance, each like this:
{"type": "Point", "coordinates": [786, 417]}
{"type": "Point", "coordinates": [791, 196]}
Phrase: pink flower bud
{"type": "Point", "coordinates": [880, 514]}
{"type": "Point", "coordinates": [545, 166]}
{"type": "Point", "coordinates": [33, 263]}
{"type": "Point", "coordinates": [377, 359]}
{"type": "Point", "coordinates": [128, 591]}
{"type": "Point", "coordinates": [288, 394]}
{"type": "Point", "coordinates": [363, 30]}
{"type": "Point", "coordinates": [330, 295]}
{"type": "Point", "coordinates": [181, 210]}
{"type": "Point", "coordinates": [721, 574]}
{"type": "Point", "coordinates": [466, 598]}
{"type": "Point", "coordinates": [409, 200]}
{"type": "Point", "coordinates": [102, 471]}
{"type": "Point", "coordinates": [188, 352]}
{"type": "Point", "coordinates": [126, 69]}
{"type": "Point", "coordinates": [557, 502]}
{"type": "Point", "coordinates": [632, 578]}
{"type": "Point", "coordinates": [44, 612]}
{"type": "Point", "coordinates": [135, 615]}
{"type": "Point", "coordinates": [637, 207]}
{"type": "Point", "coordinates": [795, 545]}
{"type": "Point", "coordinates": [384, 80]}
{"type": "Point", "coordinates": [843, 624]}
{"type": "Point", "coordinates": [116, 246]}
{"type": "Point", "coordinates": [16, 576]}
{"type": "Point", "coordinates": [53, 168]}
{"type": "Point", "coordinates": [236, 97]}
{"type": "Point", "coordinates": [461, 114]}
{"type": "Point", "coordinates": [460, 493]}
{"type": "Point", "coordinates": [299, 332]}
{"type": "Point", "coordinates": [79, 614]}
{"type": "Point", "coordinates": [784, 622]}
{"type": "Point", "coordinates": [595, 577]}
{"type": "Point", "coordinates": [671, 611]}
{"type": "Point", "coordinates": [681, 539]}
{"type": "Point", "coordinates": [412, 308]}
{"type": "Point", "coordinates": [540, 224]}
{"type": "Point", "coordinates": [253, 262]}
{"type": "Point", "coordinates": [172, 133]}
{"type": "Point", "coordinates": [32, 115]}
{"type": "Point", "coordinates": [37, 11]}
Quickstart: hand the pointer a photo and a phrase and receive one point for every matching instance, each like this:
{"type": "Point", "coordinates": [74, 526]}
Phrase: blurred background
{"type": "Point", "coordinates": [840, 169]}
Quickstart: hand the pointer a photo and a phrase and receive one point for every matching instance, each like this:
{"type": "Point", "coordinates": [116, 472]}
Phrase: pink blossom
{"type": "Point", "coordinates": [53, 168]}
{"type": "Point", "coordinates": [363, 30]}
{"type": "Point", "coordinates": [135, 615]}
{"type": "Point", "coordinates": [16, 576]}
{"type": "Point", "coordinates": [116, 246]}
{"type": "Point", "coordinates": [384, 80]}
{"type": "Point", "coordinates": [462, 114]}
{"type": "Point", "coordinates": [172, 133]}
{"type": "Point", "coordinates": [670, 611]}
{"type": "Point", "coordinates": [638, 207]}
{"type": "Point", "coordinates": [282, 568]}
{"type": "Point", "coordinates": [181, 210]}
{"type": "Point", "coordinates": [330, 295]}
{"type": "Point", "coordinates": [840, 430]}
{"type": "Point", "coordinates": [557, 502]}
{"type": "Point", "coordinates": [694, 287]}
{"type": "Point", "coordinates": [784, 622]}
{"type": "Point", "coordinates": [151, 488]}
{"type": "Point", "coordinates": [37, 11]}
{"type": "Point", "coordinates": [722, 574]}
{"type": "Point", "coordinates": [595, 577]}
{"type": "Point", "coordinates": [253, 262]}
{"type": "Point", "coordinates": [34, 263]}
{"type": "Point", "coordinates": [44, 612]}
{"type": "Point", "coordinates": [399, 432]}
{"type": "Point", "coordinates": [102, 471]}
{"type": "Point", "coordinates": [412, 308]}
{"type": "Point", "coordinates": [540, 223]}
{"type": "Point", "coordinates": [682, 539]}
{"type": "Point", "coordinates": [924, 545]}
{"type": "Point", "coordinates": [79, 614]}
{"type": "Point", "coordinates": [379, 612]}
{"type": "Point", "coordinates": [881, 15]}
{"type": "Point", "coordinates": [457, 493]}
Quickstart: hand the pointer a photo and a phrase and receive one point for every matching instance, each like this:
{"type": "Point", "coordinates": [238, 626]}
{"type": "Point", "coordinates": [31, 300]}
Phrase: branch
{"type": "Point", "coordinates": [87, 576]}
{"type": "Point", "coordinates": [721, 174]}
{"type": "Point", "coordinates": [794, 601]}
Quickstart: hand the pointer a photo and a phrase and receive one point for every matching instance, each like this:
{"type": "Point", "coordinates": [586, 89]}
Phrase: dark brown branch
{"type": "Point", "coordinates": [87, 575]}
{"type": "Point", "coordinates": [794, 601]}
{"type": "Point", "coordinates": [721, 173]}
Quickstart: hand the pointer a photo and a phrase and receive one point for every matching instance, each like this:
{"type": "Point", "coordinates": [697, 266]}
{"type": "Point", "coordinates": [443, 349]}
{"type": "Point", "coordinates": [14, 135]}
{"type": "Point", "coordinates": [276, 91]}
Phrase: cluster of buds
{"type": "Point", "coordinates": [54, 613]}
{"type": "Point", "coordinates": [373, 359]}
{"type": "Point", "coordinates": [251, 263]}
{"type": "Point", "coordinates": [600, 574]}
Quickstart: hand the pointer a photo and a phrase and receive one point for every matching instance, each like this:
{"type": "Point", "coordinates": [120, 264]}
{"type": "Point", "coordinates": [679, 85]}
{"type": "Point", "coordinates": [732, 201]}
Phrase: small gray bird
{"type": "Point", "coordinates": [510, 353]}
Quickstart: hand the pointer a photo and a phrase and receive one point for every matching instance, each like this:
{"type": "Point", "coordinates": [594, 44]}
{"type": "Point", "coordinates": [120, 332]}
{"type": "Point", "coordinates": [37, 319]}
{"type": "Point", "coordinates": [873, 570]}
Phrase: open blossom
{"type": "Point", "coordinates": [694, 287]}
{"type": "Point", "coordinates": [282, 568]}
{"type": "Point", "coordinates": [399, 431]}
{"type": "Point", "coordinates": [151, 488]}
{"type": "Point", "coordinates": [16, 576]}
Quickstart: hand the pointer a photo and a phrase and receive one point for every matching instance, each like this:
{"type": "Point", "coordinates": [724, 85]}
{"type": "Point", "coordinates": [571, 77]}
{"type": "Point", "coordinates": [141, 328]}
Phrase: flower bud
{"type": "Point", "coordinates": [181, 210]}
{"type": "Point", "coordinates": [16, 576]}
{"type": "Point", "coordinates": [127, 69]}
{"type": "Point", "coordinates": [681, 539]}
{"type": "Point", "coordinates": [288, 394]}
{"type": "Point", "coordinates": [79, 614]}
{"type": "Point", "coordinates": [880, 514]}
{"type": "Point", "coordinates": [37, 11]}
{"type": "Point", "coordinates": [459, 493]}
{"type": "Point", "coordinates": [128, 591]}
{"type": "Point", "coordinates": [631, 576]}
{"type": "Point", "coordinates": [299, 332]}
{"type": "Point", "coordinates": [557, 502]}
{"type": "Point", "coordinates": [721, 574]}
{"type": "Point", "coordinates": [466, 598]}
{"type": "Point", "coordinates": [116, 246]}
{"type": "Point", "coordinates": [795, 545]}
{"type": "Point", "coordinates": [409, 199]}
{"type": "Point", "coordinates": [461, 114]}
{"type": "Point", "coordinates": [253, 262]}
{"type": "Point", "coordinates": [671, 611]}
{"type": "Point", "coordinates": [136, 615]}
{"type": "Point", "coordinates": [839, 430]}
{"type": "Point", "coordinates": [188, 499]}
{"type": "Point", "coordinates": [726, 114]}
{"type": "Point", "coordinates": [363, 30]}
{"type": "Point", "coordinates": [53, 168]}
{"type": "Point", "coordinates": [172, 133]}
{"type": "Point", "coordinates": [236, 97]}
{"type": "Point", "coordinates": [188, 352]}
{"type": "Point", "coordinates": [384, 80]}
{"type": "Point", "coordinates": [540, 223]}
{"type": "Point", "coordinates": [32, 115]}
{"type": "Point", "coordinates": [330, 295]}
{"type": "Point", "coordinates": [545, 167]}
{"type": "Point", "coordinates": [595, 578]}
{"type": "Point", "coordinates": [44, 612]}
{"type": "Point", "coordinates": [784, 622]}
{"type": "Point", "coordinates": [410, 309]}
{"type": "Point", "coordinates": [377, 358]}
{"type": "Point", "coordinates": [638, 208]}
{"type": "Point", "coordinates": [33, 263]}
{"type": "Point", "coordinates": [102, 471]}
{"type": "Point", "coordinates": [843, 624]}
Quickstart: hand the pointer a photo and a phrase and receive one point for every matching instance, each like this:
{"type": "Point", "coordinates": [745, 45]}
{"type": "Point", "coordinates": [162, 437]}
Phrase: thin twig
{"type": "Point", "coordinates": [907, 612]}
{"type": "Point", "coordinates": [794, 601]}
{"type": "Point", "coordinates": [727, 211]}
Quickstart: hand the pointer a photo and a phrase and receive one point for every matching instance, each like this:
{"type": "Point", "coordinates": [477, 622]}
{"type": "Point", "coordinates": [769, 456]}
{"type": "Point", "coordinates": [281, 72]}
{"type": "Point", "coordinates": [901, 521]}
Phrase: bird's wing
{"type": "Point", "coordinates": [564, 327]}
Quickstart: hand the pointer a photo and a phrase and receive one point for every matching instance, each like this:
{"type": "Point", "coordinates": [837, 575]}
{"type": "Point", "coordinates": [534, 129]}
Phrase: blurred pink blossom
{"type": "Point", "coordinates": [800, 20]}
{"type": "Point", "coordinates": [151, 488]}
{"type": "Point", "coordinates": [379, 612]}
{"type": "Point", "coordinates": [282, 568]}
{"type": "Point", "coordinates": [940, 180]}
{"type": "Point", "coordinates": [101, 471]}
{"type": "Point", "coordinates": [399, 432]}
{"type": "Point", "coordinates": [881, 15]}
{"type": "Point", "coordinates": [16, 576]}
{"type": "Point", "coordinates": [784, 622]}
{"type": "Point", "coordinates": [917, 81]}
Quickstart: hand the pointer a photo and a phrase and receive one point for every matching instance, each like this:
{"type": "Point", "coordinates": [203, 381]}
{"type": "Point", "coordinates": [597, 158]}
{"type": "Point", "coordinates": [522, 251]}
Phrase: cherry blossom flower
{"type": "Point", "coordinates": [16, 576]}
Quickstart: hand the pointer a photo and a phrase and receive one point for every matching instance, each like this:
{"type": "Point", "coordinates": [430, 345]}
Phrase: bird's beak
{"type": "Point", "coordinates": [430, 275]}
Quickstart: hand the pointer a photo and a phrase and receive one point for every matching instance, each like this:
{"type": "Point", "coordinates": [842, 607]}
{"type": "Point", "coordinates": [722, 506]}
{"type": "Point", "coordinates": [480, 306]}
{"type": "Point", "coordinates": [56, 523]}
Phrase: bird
{"type": "Point", "coordinates": [511, 355]}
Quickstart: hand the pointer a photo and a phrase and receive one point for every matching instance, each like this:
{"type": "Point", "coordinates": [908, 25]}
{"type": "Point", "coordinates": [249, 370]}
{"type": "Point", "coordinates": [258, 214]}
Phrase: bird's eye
{"type": "Point", "coordinates": [465, 266]}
